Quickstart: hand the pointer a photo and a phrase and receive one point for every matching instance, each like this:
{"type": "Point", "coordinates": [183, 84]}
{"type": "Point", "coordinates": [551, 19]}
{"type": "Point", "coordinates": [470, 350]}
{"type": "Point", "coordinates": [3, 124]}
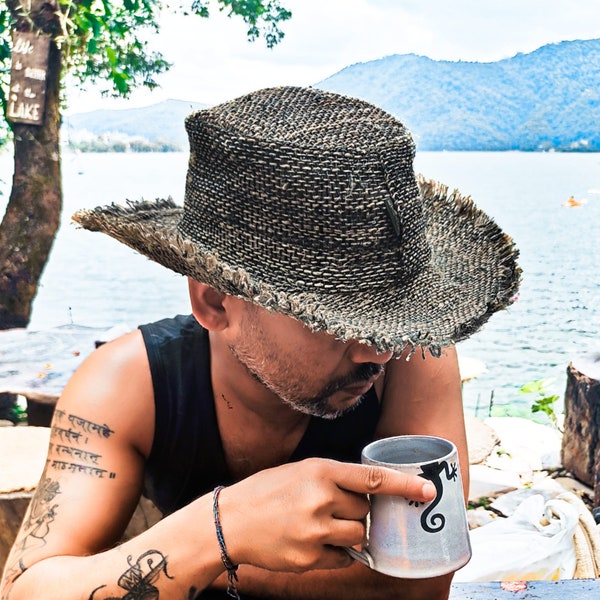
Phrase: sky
{"type": "Point", "coordinates": [213, 61]}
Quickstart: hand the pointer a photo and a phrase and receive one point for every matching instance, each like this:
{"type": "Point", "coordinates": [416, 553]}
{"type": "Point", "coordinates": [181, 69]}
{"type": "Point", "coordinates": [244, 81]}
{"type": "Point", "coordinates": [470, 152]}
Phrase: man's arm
{"type": "Point", "coordinates": [101, 432]}
{"type": "Point", "coordinates": [419, 396]}
{"type": "Point", "coordinates": [291, 518]}
{"type": "Point", "coordinates": [424, 396]}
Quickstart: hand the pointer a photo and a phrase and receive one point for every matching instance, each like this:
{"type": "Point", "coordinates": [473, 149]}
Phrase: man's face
{"type": "Point", "coordinates": [312, 372]}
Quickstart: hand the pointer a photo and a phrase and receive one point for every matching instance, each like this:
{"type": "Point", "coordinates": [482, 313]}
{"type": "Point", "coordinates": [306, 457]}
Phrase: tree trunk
{"type": "Point", "coordinates": [33, 213]}
{"type": "Point", "coordinates": [580, 451]}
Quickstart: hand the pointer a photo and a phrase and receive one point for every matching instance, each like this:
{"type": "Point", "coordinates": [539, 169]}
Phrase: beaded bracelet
{"type": "Point", "coordinates": [227, 563]}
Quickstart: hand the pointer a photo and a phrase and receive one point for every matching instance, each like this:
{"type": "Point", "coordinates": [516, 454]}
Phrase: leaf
{"type": "Point", "coordinates": [538, 386]}
{"type": "Point", "coordinates": [111, 55]}
{"type": "Point", "coordinates": [121, 81]}
{"type": "Point", "coordinates": [532, 387]}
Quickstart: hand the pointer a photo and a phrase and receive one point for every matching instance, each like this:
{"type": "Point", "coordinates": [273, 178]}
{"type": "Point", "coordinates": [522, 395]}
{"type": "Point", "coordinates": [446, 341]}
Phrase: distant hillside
{"type": "Point", "coordinates": [156, 128]}
{"type": "Point", "coordinates": [547, 99]}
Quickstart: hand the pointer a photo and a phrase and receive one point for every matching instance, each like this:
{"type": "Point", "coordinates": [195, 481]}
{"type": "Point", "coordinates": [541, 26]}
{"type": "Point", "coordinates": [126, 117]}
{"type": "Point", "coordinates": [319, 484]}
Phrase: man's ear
{"type": "Point", "coordinates": [207, 305]}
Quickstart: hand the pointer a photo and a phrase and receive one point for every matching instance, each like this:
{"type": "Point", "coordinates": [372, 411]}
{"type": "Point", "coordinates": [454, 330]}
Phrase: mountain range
{"type": "Point", "coordinates": [548, 99]}
{"type": "Point", "coordinates": [158, 127]}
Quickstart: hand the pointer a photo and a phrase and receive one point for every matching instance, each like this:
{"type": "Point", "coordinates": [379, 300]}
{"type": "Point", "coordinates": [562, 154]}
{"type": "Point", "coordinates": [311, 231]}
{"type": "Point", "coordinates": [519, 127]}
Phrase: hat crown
{"type": "Point", "coordinates": [305, 202]}
{"type": "Point", "coordinates": [305, 188]}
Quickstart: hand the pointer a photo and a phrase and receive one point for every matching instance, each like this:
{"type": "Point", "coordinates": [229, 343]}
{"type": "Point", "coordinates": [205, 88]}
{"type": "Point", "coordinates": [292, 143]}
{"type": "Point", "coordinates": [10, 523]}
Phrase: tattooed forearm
{"type": "Point", "coordinates": [138, 579]}
{"type": "Point", "coordinates": [36, 525]}
{"type": "Point", "coordinates": [41, 513]}
{"type": "Point", "coordinates": [76, 447]}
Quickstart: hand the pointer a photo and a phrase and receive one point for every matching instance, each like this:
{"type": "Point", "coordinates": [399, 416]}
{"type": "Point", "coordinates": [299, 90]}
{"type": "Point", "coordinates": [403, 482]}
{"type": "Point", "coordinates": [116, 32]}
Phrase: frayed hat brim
{"type": "Point", "coordinates": [472, 273]}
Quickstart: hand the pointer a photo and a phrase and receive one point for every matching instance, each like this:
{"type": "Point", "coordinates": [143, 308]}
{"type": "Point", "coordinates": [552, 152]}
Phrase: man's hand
{"type": "Point", "coordinates": [298, 517]}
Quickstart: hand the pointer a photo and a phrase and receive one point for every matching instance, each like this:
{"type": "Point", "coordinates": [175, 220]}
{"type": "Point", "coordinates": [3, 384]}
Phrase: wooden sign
{"type": "Point", "coordinates": [27, 96]}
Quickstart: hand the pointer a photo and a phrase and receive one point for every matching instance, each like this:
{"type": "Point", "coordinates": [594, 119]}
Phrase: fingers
{"type": "Point", "coordinates": [298, 516]}
{"type": "Point", "coordinates": [335, 557]}
{"type": "Point", "coordinates": [351, 506]}
{"type": "Point", "coordinates": [367, 479]}
{"type": "Point", "coordinates": [346, 532]}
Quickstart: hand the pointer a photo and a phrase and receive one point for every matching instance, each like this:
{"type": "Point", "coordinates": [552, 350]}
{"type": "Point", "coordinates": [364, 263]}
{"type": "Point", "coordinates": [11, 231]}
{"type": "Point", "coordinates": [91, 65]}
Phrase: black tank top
{"type": "Point", "coordinates": [187, 459]}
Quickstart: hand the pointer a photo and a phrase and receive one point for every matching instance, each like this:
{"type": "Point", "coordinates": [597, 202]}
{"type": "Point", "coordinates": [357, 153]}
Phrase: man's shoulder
{"type": "Point", "coordinates": [174, 325]}
{"type": "Point", "coordinates": [172, 330]}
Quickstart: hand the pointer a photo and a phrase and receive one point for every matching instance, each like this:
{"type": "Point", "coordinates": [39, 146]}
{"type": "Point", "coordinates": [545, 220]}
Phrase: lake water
{"type": "Point", "coordinates": [92, 280]}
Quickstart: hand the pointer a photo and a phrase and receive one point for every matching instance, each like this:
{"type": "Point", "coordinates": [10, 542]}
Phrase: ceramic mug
{"type": "Point", "coordinates": [417, 539]}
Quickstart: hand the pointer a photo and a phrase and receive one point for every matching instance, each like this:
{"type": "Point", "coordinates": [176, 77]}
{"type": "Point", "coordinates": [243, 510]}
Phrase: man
{"type": "Point", "coordinates": [327, 288]}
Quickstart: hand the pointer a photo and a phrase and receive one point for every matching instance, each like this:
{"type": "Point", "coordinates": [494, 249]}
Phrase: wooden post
{"type": "Point", "coordinates": [580, 451]}
{"type": "Point", "coordinates": [12, 510]}
{"type": "Point", "coordinates": [40, 409]}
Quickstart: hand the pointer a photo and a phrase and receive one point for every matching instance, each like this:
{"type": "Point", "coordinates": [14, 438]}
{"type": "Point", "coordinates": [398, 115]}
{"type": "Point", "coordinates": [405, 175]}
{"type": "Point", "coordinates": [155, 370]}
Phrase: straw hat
{"type": "Point", "coordinates": [305, 202]}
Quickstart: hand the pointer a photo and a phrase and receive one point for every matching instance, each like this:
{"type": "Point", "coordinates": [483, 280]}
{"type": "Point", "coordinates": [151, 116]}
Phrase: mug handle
{"type": "Point", "coordinates": [361, 556]}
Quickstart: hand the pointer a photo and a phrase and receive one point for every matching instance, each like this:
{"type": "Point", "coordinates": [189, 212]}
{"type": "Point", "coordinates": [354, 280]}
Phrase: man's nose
{"type": "Point", "coordinates": [362, 353]}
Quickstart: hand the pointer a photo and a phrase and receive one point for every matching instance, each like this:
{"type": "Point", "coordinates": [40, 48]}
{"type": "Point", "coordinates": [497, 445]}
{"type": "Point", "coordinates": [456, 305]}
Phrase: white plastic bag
{"type": "Point", "coordinates": [535, 542]}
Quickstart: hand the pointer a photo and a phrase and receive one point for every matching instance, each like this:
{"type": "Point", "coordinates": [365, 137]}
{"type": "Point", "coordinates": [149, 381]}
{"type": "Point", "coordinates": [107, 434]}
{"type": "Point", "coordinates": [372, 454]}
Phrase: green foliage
{"type": "Point", "coordinates": [483, 502]}
{"type": "Point", "coordinates": [13, 408]}
{"type": "Point", "coordinates": [5, 46]}
{"type": "Point", "coordinates": [19, 412]}
{"type": "Point", "coordinates": [542, 408]}
{"type": "Point", "coordinates": [510, 410]}
{"type": "Point", "coordinates": [104, 42]}
{"type": "Point", "coordinates": [544, 401]}
{"type": "Point", "coordinates": [101, 44]}
{"type": "Point", "coordinates": [262, 17]}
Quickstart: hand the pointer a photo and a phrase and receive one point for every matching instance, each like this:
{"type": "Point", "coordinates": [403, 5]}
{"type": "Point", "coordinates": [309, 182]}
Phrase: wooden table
{"type": "Point", "coordinates": [565, 589]}
{"type": "Point", "coordinates": [38, 364]}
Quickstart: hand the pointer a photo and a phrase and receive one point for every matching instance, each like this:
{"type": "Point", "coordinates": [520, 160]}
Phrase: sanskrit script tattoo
{"type": "Point", "coordinates": [70, 436]}
{"type": "Point", "coordinates": [36, 525]}
{"type": "Point", "coordinates": [139, 578]}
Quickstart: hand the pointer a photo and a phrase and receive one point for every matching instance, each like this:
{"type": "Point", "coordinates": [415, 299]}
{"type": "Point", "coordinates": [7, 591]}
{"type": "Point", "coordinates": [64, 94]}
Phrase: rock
{"type": "Point", "coordinates": [470, 368]}
{"type": "Point", "coordinates": [488, 482]}
{"type": "Point", "coordinates": [480, 516]}
{"type": "Point", "coordinates": [481, 439]}
{"type": "Point", "coordinates": [515, 451]}
{"type": "Point", "coordinates": [547, 488]}
{"type": "Point", "coordinates": [532, 444]}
